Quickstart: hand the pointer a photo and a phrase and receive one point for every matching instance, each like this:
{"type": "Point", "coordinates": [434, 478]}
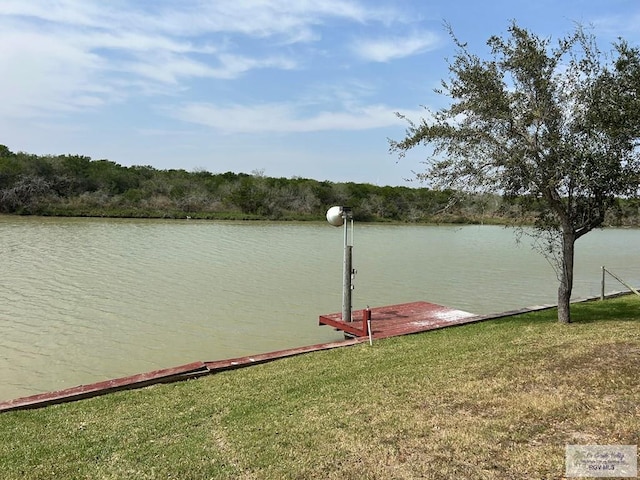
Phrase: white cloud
{"type": "Point", "coordinates": [267, 18]}
{"type": "Point", "coordinates": [55, 51]}
{"type": "Point", "coordinates": [286, 118]}
{"type": "Point", "coordinates": [615, 26]}
{"type": "Point", "coordinates": [171, 69]}
{"type": "Point", "coordinates": [234, 65]}
{"type": "Point", "coordinates": [65, 12]}
{"type": "Point", "coordinates": [67, 56]}
{"type": "Point", "coordinates": [42, 73]}
{"type": "Point", "coordinates": [256, 18]}
{"type": "Point", "coordinates": [389, 48]}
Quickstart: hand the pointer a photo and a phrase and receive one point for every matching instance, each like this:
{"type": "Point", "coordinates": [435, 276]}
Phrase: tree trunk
{"type": "Point", "coordinates": [566, 276]}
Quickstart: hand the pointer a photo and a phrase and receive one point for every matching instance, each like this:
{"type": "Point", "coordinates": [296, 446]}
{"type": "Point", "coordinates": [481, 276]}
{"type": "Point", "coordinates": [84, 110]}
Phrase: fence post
{"type": "Point", "coordinates": [602, 285]}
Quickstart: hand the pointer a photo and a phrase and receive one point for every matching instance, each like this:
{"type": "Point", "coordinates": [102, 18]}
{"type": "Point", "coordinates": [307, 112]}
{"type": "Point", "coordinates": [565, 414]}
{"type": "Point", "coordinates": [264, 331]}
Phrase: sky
{"type": "Point", "coordinates": [283, 88]}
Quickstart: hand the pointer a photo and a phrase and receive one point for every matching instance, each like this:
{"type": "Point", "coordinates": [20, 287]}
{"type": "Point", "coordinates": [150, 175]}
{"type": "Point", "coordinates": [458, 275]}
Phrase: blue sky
{"type": "Point", "coordinates": [302, 88]}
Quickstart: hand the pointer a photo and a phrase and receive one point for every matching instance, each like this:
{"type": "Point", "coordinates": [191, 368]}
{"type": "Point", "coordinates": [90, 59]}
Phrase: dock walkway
{"type": "Point", "coordinates": [388, 321]}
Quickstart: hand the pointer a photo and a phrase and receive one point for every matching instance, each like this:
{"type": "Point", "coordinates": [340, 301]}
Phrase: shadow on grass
{"type": "Point", "coordinates": [624, 308]}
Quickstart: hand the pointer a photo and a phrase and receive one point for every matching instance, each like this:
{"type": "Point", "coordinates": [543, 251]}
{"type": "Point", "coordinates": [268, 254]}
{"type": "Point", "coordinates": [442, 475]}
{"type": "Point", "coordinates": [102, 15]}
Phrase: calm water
{"type": "Point", "coordinates": [84, 300]}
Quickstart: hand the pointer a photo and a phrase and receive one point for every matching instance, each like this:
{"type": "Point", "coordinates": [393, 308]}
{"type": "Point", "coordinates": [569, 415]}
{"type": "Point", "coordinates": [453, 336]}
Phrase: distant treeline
{"type": "Point", "coordinates": [75, 185]}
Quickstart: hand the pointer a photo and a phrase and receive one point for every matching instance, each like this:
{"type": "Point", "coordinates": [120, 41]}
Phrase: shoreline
{"type": "Point", "coordinates": [201, 368]}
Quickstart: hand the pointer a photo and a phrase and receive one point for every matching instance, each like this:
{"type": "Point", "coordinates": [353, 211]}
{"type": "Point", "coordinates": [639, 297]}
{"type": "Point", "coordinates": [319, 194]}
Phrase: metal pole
{"type": "Point", "coordinates": [602, 285]}
{"type": "Point", "coordinates": [346, 277]}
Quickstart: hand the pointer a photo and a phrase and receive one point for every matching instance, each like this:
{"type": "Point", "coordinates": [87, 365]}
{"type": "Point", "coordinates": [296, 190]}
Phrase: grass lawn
{"type": "Point", "coordinates": [495, 400]}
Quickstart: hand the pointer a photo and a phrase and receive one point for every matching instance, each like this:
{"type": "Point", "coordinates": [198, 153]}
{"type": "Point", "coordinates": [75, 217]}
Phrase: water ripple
{"type": "Point", "coordinates": [84, 300]}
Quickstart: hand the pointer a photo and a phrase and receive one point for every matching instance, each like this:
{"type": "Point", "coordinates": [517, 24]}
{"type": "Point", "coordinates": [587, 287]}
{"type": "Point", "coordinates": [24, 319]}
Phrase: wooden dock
{"type": "Point", "coordinates": [385, 322]}
{"type": "Point", "coordinates": [402, 319]}
{"type": "Point", "coordinates": [168, 375]}
{"type": "Point", "coordinates": [100, 388]}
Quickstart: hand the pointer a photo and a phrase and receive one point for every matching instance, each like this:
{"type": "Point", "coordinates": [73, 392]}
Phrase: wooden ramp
{"type": "Point", "coordinates": [168, 375]}
{"type": "Point", "coordinates": [402, 319]}
{"type": "Point", "coordinates": [100, 388]}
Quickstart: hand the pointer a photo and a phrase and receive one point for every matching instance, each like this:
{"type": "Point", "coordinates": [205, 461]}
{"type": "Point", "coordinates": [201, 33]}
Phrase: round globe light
{"type": "Point", "coordinates": [335, 217]}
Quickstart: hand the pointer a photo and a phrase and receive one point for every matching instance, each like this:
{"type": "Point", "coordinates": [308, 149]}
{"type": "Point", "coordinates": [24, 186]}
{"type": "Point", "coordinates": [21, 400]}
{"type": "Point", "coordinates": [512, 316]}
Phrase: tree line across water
{"type": "Point", "coordinates": [76, 185]}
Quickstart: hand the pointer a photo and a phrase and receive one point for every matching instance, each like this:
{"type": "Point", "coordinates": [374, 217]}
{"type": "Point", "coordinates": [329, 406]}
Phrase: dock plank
{"type": "Point", "coordinates": [168, 375]}
{"type": "Point", "coordinates": [100, 388]}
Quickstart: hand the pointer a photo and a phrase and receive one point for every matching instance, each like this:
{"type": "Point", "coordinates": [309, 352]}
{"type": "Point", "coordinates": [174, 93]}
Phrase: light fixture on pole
{"type": "Point", "coordinates": [342, 216]}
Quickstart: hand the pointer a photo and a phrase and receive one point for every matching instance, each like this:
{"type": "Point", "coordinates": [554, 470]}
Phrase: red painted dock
{"type": "Point", "coordinates": [100, 388]}
{"type": "Point", "coordinates": [402, 319]}
{"type": "Point", "coordinates": [385, 322]}
{"type": "Point", "coordinates": [168, 375]}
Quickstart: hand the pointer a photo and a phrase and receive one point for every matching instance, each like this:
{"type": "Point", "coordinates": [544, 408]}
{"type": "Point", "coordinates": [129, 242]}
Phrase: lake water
{"type": "Point", "coordinates": [85, 300]}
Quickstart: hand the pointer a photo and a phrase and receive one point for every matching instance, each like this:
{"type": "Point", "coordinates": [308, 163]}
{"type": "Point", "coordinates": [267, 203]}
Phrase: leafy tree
{"type": "Point", "coordinates": [5, 152]}
{"type": "Point", "coordinates": [24, 195]}
{"type": "Point", "coordinates": [557, 122]}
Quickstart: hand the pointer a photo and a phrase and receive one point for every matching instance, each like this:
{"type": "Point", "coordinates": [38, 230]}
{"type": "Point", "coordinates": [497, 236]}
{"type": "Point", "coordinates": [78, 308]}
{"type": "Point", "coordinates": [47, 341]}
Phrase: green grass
{"type": "Point", "coordinates": [495, 400]}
